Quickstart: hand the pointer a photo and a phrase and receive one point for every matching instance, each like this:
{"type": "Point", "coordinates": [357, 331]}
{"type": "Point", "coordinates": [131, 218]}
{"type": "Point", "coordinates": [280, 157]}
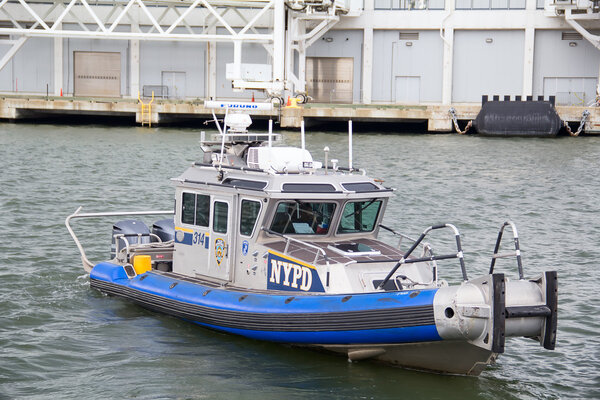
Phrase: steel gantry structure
{"type": "Point", "coordinates": [285, 28]}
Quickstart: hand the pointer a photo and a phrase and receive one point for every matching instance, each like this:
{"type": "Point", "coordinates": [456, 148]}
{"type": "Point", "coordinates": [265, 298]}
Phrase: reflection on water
{"type": "Point", "coordinates": [61, 338]}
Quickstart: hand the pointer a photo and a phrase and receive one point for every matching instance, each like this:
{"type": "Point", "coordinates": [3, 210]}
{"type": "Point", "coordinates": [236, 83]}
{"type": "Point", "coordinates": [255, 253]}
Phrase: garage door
{"type": "Point", "coordinates": [330, 79]}
{"type": "Point", "coordinates": [97, 74]}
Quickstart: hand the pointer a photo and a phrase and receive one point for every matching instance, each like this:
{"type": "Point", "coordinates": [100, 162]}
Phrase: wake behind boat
{"type": "Point", "coordinates": [267, 243]}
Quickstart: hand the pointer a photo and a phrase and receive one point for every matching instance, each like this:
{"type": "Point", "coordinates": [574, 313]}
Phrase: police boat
{"type": "Point", "coordinates": [267, 243]}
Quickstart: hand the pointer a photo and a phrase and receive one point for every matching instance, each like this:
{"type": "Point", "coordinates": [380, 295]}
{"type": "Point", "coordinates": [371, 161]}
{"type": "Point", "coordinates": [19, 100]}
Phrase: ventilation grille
{"type": "Point", "coordinates": [571, 36]}
{"type": "Point", "coordinates": [253, 157]}
{"type": "Point", "coordinates": [409, 35]}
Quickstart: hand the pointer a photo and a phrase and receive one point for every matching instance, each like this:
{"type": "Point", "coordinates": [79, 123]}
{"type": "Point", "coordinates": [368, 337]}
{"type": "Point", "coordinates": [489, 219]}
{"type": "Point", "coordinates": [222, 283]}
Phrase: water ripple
{"type": "Point", "coordinates": [60, 338]}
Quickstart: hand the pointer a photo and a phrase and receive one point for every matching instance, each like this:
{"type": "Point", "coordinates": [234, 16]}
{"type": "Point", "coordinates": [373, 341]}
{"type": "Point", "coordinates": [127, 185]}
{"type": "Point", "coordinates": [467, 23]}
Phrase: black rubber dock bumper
{"type": "Point", "coordinates": [517, 118]}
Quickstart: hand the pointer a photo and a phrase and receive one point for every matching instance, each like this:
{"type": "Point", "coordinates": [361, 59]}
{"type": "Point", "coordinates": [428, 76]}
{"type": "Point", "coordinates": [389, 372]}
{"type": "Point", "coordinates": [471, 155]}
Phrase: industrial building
{"type": "Point", "coordinates": [390, 59]}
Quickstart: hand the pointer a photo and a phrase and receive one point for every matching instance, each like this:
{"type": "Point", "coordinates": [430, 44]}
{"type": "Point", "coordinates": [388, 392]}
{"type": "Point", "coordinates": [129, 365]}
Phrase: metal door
{"type": "Point", "coordinates": [221, 246]}
{"type": "Point", "coordinates": [97, 74]}
{"type": "Point", "coordinates": [407, 89]}
{"type": "Point", "coordinates": [192, 234]}
{"type": "Point", "coordinates": [330, 79]}
{"type": "Point", "coordinates": [175, 82]}
{"type": "Point", "coordinates": [576, 91]}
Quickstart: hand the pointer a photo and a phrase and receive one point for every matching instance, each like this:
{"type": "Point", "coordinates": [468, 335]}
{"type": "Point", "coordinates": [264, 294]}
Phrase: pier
{"type": "Point", "coordinates": [437, 116]}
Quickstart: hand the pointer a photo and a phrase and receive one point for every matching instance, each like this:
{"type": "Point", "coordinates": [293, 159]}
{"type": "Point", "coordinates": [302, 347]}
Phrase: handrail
{"type": "Point", "coordinates": [402, 236]}
{"type": "Point", "coordinates": [516, 253]}
{"type": "Point", "coordinates": [427, 248]}
{"type": "Point", "coordinates": [405, 260]}
{"type": "Point", "coordinates": [87, 264]}
{"type": "Point", "coordinates": [291, 239]}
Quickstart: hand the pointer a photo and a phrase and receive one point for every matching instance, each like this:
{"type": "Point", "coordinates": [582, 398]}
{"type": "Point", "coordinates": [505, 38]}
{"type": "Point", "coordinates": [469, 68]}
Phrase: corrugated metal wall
{"type": "Point", "coordinates": [487, 63]}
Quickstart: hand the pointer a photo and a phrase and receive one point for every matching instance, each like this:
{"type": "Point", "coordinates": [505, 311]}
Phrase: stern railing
{"type": "Point", "coordinates": [87, 264]}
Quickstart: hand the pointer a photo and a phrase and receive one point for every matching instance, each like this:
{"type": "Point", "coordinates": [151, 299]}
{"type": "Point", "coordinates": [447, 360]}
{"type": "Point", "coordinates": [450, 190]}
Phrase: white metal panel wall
{"type": "Point", "coordinates": [342, 43]}
{"type": "Point", "coordinates": [30, 69]}
{"type": "Point", "coordinates": [393, 59]}
{"type": "Point", "coordinates": [175, 57]}
{"type": "Point", "coordinates": [564, 65]}
{"type": "Point", "coordinates": [6, 73]}
{"type": "Point", "coordinates": [487, 63]}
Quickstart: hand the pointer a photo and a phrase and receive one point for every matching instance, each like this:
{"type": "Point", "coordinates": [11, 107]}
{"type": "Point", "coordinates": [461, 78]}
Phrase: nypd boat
{"type": "Point", "coordinates": [267, 243]}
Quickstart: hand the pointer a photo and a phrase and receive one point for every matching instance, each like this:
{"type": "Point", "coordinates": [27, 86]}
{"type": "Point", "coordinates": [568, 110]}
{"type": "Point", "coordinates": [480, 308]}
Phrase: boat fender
{"type": "Point", "coordinates": [142, 263]}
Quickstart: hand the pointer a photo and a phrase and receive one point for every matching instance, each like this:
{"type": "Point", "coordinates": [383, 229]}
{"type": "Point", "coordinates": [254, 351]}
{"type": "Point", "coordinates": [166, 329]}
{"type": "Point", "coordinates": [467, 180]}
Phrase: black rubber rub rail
{"type": "Point", "coordinates": [285, 322]}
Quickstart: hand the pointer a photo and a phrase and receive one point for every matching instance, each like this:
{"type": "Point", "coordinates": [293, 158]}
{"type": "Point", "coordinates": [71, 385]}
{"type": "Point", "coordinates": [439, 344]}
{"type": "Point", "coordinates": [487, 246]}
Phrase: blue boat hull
{"type": "Point", "coordinates": [317, 319]}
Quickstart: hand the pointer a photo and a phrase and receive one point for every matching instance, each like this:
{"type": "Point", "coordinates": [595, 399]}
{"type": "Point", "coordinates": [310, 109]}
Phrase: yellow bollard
{"type": "Point", "coordinates": [142, 263]}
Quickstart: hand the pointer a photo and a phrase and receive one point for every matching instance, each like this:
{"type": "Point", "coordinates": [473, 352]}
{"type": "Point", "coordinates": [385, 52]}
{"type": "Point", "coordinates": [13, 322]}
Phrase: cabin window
{"type": "Point", "coordinates": [359, 216]}
{"type": "Point", "coordinates": [304, 218]}
{"type": "Point", "coordinates": [202, 209]}
{"type": "Point", "coordinates": [195, 209]}
{"type": "Point", "coordinates": [220, 217]}
{"type": "Point", "coordinates": [249, 216]}
{"type": "Point", "coordinates": [188, 208]}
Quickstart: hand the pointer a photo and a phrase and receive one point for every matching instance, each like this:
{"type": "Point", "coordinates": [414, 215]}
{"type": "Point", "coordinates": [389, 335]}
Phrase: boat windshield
{"type": "Point", "coordinates": [359, 216]}
{"type": "Point", "coordinates": [303, 218]}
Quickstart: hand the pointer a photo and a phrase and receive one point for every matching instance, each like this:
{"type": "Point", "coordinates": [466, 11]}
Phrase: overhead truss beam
{"type": "Point", "coordinates": [52, 23]}
{"type": "Point", "coordinates": [237, 22]}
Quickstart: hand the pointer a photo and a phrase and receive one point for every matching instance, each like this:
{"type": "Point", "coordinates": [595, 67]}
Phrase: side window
{"type": "Point", "coordinates": [359, 216]}
{"type": "Point", "coordinates": [220, 217]}
{"type": "Point", "coordinates": [188, 205]}
{"type": "Point", "coordinates": [249, 215]}
{"type": "Point", "coordinates": [195, 209]}
{"type": "Point", "coordinates": [202, 209]}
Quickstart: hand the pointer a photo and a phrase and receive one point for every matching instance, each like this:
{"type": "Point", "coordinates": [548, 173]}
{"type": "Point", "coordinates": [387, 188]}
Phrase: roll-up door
{"type": "Point", "coordinates": [330, 79]}
{"type": "Point", "coordinates": [97, 74]}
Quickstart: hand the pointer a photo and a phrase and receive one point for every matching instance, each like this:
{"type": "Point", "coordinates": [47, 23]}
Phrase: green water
{"type": "Point", "coordinates": [61, 339]}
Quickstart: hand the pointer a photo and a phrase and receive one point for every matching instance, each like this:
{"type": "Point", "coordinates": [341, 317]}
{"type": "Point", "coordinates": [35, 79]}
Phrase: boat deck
{"type": "Point", "coordinates": [304, 253]}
